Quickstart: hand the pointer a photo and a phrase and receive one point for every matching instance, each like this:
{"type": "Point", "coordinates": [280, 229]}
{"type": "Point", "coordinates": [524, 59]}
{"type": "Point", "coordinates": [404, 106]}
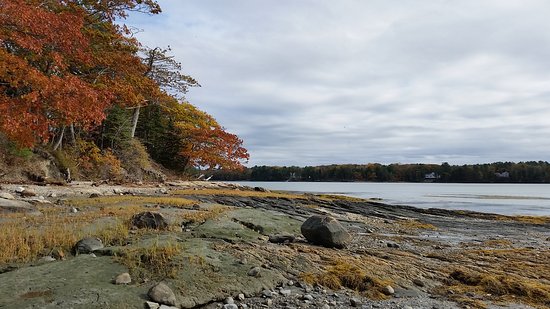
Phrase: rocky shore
{"type": "Point", "coordinates": [217, 245]}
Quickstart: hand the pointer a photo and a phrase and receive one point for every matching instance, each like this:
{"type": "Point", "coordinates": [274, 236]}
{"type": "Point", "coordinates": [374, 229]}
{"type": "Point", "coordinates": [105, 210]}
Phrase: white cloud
{"type": "Point", "coordinates": [317, 82]}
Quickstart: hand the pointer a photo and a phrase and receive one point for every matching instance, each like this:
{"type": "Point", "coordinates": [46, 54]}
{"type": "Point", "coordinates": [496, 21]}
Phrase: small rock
{"type": "Point", "coordinates": [240, 297]}
{"type": "Point", "coordinates": [19, 189]}
{"type": "Point", "coordinates": [260, 189]}
{"type": "Point", "coordinates": [407, 307]}
{"type": "Point", "coordinates": [229, 300]}
{"type": "Point", "coordinates": [151, 305]}
{"type": "Point", "coordinates": [123, 278]}
{"type": "Point", "coordinates": [27, 193]}
{"type": "Point", "coordinates": [162, 294]}
{"type": "Point", "coordinates": [388, 290]}
{"type": "Point", "coordinates": [325, 306]}
{"type": "Point", "coordinates": [150, 220]}
{"type": "Point", "coordinates": [354, 302]}
{"type": "Point", "coordinates": [418, 282]}
{"type": "Point", "coordinates": [267, 293]}
{"type": "Point", "coordinates": [281, 239]}
{"type": "Point", "coordinates": [325, 231]}
{"type": "Point", "coordinates": [74, 210]}
{"type": "Point", "coordinates": [167, 307]}
{"type": "Point", "coordinates": [269, 302]}
{"type": "Point", "coordinates": [308, 297]}
{"type": "Point", "coordinates": [7, 196]}
{"type": "Point", "coordinates": [290, 283]}
{"type": "Point", "coordinates": [244, 306]}
{"type": "Point", "coordinates": [230, 306]}
{"type": "Point", "coordinates": [285, 293]}
{"type": "Point", "coordinates": [52, 194]}
{"type": "Point", "coordinates": [47, 259]}
{"type": "Point", "coordinates": [88, 245]}
{"type": "Point", "coordinates": [95, 194]}
{"type": "Point", "coordinates": [255, 272]}
{"type": "Point", "coordinates": [392, 245]}
{"type": "Point", "coordinates": [117, 191]}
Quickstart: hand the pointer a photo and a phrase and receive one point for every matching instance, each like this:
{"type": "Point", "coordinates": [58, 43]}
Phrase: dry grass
{"type": "Point", "coordinates": [126, 199]}
{"type": "Point", "coordinates": [340, 197]}
{"type": "Point", "coordinates": [416, 225]}
{"type": "Point", "coordinates": [159, 260]}
{"type": "Point", "coordinates": [233, 192]}
{"type": "Point", "coordinates": [539, 220]}
{"type": "Point", "coordinates": [348, 274]}
{"type": "Point", "coordinates": [501, 287]}
{"type": "Point", "coordinates": [202, 216]}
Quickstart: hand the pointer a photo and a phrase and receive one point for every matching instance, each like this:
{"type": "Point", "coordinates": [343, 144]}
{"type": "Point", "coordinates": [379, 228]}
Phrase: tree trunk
{"type": "Point", "coordinates": [60, 140]}
{"type": "Point", "coordinates": [73, 136]}
{"type": "Point", "coordinates": [135, 118]}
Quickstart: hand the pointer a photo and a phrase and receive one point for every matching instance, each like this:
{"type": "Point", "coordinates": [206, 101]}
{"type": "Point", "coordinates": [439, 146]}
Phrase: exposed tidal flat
{"type": "Point", "coordinates": [219, 240]}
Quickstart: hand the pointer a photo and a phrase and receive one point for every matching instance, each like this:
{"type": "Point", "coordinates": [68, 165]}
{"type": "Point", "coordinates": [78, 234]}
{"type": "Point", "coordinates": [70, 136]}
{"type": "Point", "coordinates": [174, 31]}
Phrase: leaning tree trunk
{"type": "Point", "coordinates": [135, 118]}
{"type": "Point", "coordinates": [73, 136]}
{"type": "Point", "coordinates": [60, 139]}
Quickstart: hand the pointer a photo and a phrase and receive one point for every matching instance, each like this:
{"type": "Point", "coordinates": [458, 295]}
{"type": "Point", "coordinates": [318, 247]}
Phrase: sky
{"type": "Point", "coordinates": [313, 82]}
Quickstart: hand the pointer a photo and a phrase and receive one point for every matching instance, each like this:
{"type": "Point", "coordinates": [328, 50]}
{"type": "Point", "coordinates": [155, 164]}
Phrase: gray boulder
{"type": "Point", "coordinates": [162, 294]}
{"type": "Point", "coordinates": [88, 245]}
{"type": "Point", "coordinates": [15, 206]}
{"type": "Point", "coordinates": [149, 220]}
{"type": "Point", "coordinates": [7, 196]}
{"type": "Point", "coordinates": [325, 231]}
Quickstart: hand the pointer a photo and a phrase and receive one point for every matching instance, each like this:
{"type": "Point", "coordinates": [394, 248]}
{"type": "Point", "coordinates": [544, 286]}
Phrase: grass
{"type": "Point", "coordinates": [347, 274]}
{"type": "Point", "coordinates": [415, 224]}
{"type": "Point", "coordinates": [501, 287]}
{"type": "Point", "coordinates": [161, 260]}
{"type": "Point", "coordinates": [125, 199]}
{"type": "Point", "coordinates": [233, 192]}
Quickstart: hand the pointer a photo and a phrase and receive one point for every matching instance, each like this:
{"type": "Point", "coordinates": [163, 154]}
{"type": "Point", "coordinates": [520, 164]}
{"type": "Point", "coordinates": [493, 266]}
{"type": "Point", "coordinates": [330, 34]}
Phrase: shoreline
{"type": "Point", "coordinates": [441, 250]}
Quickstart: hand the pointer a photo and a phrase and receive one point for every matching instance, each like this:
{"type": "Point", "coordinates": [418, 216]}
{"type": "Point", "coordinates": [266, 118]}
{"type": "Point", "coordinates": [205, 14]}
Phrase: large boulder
{"type": "Point", "coordinates": [16, 206]}
{"type": "Point", "coordinates": [325, 231]}
{"type": "Point", "coordinates": [149, 220]}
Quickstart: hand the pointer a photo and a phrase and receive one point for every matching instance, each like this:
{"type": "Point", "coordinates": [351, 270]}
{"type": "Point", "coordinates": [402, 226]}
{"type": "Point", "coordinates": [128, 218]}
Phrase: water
{"type": "Point", "coordinates": [508, 199]}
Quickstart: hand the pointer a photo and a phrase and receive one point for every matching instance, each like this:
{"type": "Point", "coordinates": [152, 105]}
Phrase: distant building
{"type": "Point", "coordinates": [431, 176]}
{"type": "Point", "coordinates": [503, 175]}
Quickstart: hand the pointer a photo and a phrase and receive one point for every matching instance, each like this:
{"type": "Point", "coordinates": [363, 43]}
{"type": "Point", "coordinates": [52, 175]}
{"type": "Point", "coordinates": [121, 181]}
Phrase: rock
{"type": "Point", "coordinates": [149, 220]}
{"type": "Point", "coordinates": [19, 189]}
{"type": "Point", "coordinates": [168, 307]}
{"type": "Point", "coordinates": [407, 307]}
{"type": "Point", "coordinates": [117, 191]}
{"type": "Point", "coordinates": [74, 210]}
{"type": "Point", "coordinates": [27, 193]}
{"type": "Point", "coordinates": [392, 245]}
{"type": "Point", "coordinates": [388, 290]}
{"type": "Point", "coordinates": [123, 278]}
{"type": "Point", "coordinates": [52, 194]}
{"type": "Point", "coordinates": [88, 245]}
{"type": "Point", "coordinates": [308, 297]}
{"type": "Point", "coordinates": [354, 302]}
{"type": "Point", "coordinates": [162, 294]}
{"type": "Point", "coordinates": [7, 196]}
{"type": "Point", "coordinates": [290, 282]}
{"type": "Point", "coordinates": [260, 189]}
{"type": "Point", "coordinates": [281, 239]}
{"type": "Point", "coordinates": [229, 300]}
{"type": "Point", "coordinates": [95, 194]}
{"type": "Point", "coordinates": [285, 293]}
{"type": "Point", "coordinates": [47, 259]}
{"type": "Point", "coordinates": [267, 293]}
{"type": "Point", "coordinates": [325, 231]}
{"type": "Point", "coordinates": [255, 272]}
{"type": "Point", "coordinates": [15, 206]}
{"type": "Point", "coordinates": [269, 302]}
{"type": "Point", "coordinates": [325, 306]}
{"type": "Point", "coordinates": [240, 297]}
{"type": "Point", "coordinates": [230, 306]}
{"type": "Point", "coordinates": [151, 305]}
{"type": "Point", "coordinates": [418, 282]}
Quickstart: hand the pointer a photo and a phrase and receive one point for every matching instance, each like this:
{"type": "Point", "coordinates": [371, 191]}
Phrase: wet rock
{"type": "Point", "coordinates": [388, 290]}
{"type": "Point", "coordinates": [281, 239]}
{"type": "Point", "coordinates": [255, 272]}
{"type": "Point", "coordinates": [325, 231]}
{"type": "Point", "coordinates": [150, 220]}
{"type": "Point", "coordinates": [88, 245]}
{"type": "Point", "coordinates": [123, 278]}
{"type": "Point", "coordinates": [162, 294]}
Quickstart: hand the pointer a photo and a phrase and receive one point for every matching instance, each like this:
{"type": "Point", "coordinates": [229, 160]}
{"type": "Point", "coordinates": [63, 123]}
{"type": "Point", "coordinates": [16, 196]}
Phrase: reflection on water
{"type": "Point", "coordinates": [520, 199]}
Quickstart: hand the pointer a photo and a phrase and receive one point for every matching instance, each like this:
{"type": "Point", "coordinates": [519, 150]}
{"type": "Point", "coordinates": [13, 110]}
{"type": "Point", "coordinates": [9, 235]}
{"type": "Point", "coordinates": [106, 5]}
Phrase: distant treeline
{"type": "Point", "coordinates": [507, 172]}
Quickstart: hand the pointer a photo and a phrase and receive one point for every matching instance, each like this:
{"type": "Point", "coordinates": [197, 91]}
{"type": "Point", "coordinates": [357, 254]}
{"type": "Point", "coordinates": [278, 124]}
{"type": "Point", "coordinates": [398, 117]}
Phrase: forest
{"type": "Point", "coordinates": [505, 172]}
{"type": "Point", "coordinates": [75, 84]}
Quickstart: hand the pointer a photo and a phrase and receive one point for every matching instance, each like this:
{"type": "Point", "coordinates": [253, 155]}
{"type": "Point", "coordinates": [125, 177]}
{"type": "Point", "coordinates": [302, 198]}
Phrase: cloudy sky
{"type": "Point", "coordinates": [309, 82]}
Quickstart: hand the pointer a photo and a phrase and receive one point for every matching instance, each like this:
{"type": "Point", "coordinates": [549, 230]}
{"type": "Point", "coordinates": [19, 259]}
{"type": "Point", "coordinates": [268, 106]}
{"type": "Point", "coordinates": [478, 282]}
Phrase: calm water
{"type": "Point", "coordinates": [516, 199]}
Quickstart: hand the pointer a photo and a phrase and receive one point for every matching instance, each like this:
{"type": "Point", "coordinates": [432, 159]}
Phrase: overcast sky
{"type": "Point", "coordinates": [310, 82]}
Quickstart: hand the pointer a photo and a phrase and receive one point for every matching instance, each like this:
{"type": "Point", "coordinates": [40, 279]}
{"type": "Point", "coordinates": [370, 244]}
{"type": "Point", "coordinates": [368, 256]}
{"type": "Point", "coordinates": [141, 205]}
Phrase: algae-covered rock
{"type": "Point", "coordinates": [149, 220]}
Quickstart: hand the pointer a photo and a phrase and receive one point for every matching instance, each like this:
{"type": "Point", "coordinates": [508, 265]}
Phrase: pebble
{"type": "Point", "coordinates": [47, 259]}
{"type": "Point", "coordinates": [308, 297]}
{"type": "Point", "coordinates": [325, 306]}
{"type": "Point", "coordinates": [388, 290]}
{"type": "Point", "coordinates": [230, 306]}
{"type": "Point", "coordinates": [290, 283]}
{"type": "Point", "coordinates": [269, 302]}
{"type": "Point", "coordinates": [152, 305]}
{"type": "Point", "coordinates": [255, 272]}
{"type": "Point", "coordinates": [123, 278]}
{"type": "Point", "coordinates": [354, 302]}
{"type": "Point", "coordinates": [267, 293]}
{"type": "Point", "coordinates": [285, 293]}
{"type": "Point", "coordinates": [407, 307]}
{"type": "Point", "coordinates": [229, 300]}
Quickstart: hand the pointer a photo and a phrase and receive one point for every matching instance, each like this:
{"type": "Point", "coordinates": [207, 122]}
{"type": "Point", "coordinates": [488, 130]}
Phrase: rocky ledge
{"type": "Point", "coordinates": [215, 245]}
